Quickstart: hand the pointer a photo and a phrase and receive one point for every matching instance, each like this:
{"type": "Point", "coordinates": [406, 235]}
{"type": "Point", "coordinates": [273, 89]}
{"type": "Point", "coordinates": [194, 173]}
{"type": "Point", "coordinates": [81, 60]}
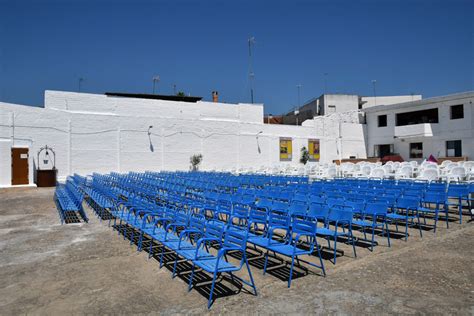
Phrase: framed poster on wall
{"type": "Point", "coordinates": [286, 149]}
{"type": "Point", "coordinates": [313, 149]}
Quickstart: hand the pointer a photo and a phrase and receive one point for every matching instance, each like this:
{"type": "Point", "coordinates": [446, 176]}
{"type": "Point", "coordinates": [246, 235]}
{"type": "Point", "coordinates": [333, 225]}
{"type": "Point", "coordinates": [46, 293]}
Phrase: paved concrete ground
{"type": "Point", "coordinates": [52, 269]}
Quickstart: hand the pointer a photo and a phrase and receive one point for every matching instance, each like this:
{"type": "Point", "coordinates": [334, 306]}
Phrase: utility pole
{"type": "Point", "coordinates": [155, 79]}
{"type": "Point", "coordinates": [325, 83]}
{"type": "Point", "coordinates": [80, 84]}
{"type": "Point", "coordinates": [297, 110]}
{"type": "Point", "coordinates": [375, 93]}
{"type": "Point", "coordinates": [251, 41]}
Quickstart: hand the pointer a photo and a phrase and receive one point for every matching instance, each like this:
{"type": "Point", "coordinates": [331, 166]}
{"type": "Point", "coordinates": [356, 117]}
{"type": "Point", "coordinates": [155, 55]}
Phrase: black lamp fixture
{"type": "Point", "coordinates": [47, 156]}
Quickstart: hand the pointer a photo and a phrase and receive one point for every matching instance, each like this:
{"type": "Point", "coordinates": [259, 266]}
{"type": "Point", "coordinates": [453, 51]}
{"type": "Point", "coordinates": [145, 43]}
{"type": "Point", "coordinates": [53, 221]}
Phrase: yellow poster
{"type": "Point", "coordinates": [313, 149]}
{"type": "Point", "coordinates": [285, 148]}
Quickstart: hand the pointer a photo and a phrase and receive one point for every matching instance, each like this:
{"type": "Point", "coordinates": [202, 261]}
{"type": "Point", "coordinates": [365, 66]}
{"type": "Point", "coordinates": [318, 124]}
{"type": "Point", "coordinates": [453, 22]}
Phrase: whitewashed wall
{"type": "Point", "coordinates": [96, 133]}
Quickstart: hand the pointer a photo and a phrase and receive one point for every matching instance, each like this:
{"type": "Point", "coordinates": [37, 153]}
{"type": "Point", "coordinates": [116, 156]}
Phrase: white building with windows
{"type": "Point", "coordinates": [440, 126]}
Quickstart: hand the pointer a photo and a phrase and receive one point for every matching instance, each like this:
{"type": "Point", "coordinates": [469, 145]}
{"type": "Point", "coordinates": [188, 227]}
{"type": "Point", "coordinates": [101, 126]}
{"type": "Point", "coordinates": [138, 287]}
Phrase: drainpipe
{"type": "Point", "coordinates": [13, 129]}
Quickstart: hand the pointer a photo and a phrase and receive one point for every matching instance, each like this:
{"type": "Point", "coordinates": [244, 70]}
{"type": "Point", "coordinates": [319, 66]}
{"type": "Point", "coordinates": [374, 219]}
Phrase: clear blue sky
{"type": "Point", "coordinates": [423, 47]}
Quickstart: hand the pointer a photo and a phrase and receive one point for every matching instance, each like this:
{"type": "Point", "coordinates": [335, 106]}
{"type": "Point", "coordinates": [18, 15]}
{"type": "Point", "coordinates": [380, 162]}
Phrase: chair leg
{"type": "Point", "coordinates": [320, 259]}
{"type": "Point", "coordinates": [388, 233]}
{"type": "Point", "coordinates": [209, 303]}
{"type": "Point", "coordinates": [174, 266]}
{"type": "Point", "coordinates": [446, 209]}
{"type": "Point", "coordinates": [419, 226]}
{"type": "Point", "coordinates": [291, 271]}
{"type": "Point", "coordinates": [373, 236]}
{"type": "Point", "coordinates": [460, 210]}
{"type": "Point", "coordinates": [250, 276]}
{"type": "Point", "coordinates": [406, 229]}
{"type": "Point", "coordinates": [335, 247]}
{"type": "Point", "coordinates": [265, 265]}
{"type": "Point", "coordinates": [191, 279]}
{"type": "Point", "coordinates": [353, 244]}
{"type": "Point", "coordinates": [150, 252]}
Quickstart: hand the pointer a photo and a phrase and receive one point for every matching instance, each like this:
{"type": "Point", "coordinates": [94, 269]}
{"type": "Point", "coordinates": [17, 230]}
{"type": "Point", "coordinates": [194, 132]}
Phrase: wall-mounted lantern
{"type": "Point", "coordinates": [46, 171]}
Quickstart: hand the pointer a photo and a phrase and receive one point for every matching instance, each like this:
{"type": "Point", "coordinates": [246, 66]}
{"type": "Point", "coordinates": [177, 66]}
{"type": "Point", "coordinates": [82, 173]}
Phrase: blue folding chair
{"type": "Point", "coordinates": [439, 199]}
{"type": "Point", "coordinates": [406, 210]}
{"type": "Point", "coordinates": [342, 221]}
{"type": "Point", "coordinates": [459, 192]}
{"type": "Point", "coordinates": [234, 241]}
{"type": "Point", "coordinates": [374, 217]}
{"type": "Point", "coordinates": [301, 226]}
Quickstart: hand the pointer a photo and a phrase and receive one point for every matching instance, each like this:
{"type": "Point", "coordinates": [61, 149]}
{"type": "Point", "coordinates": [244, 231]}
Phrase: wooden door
{"type": "Point", "coordinates": [19, 166]}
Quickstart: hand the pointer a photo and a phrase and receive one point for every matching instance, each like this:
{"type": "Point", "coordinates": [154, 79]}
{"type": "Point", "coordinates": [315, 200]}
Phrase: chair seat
{"type": "Point", "coordinates": [365, 223]}
{"type": "Point", "coordinates": [427, 210]}
{"type": "Point", "coordinates": [210, 264]}
{"type": "Point", "coordinates": [399, 216]}
{"type": "Point", "coordinates": [189, 253]}
{"type": "Point", "coordinates": [287, 250]}
{"type": "Point", "coordinates": [174, 244]}
{"type": "Point", "coordinates": [261, 241]}
{"type": "Point", "coordinates": [329, 232]}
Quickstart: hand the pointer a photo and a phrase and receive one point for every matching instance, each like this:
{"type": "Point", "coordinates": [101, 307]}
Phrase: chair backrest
{"type": "Point", "coordinates": [234, 237]}
{"type": "Point", "coordinates": [406, 171]}
{"type": "Point", "coordinates": [197, 222]}
{"type": "Point", "coordinates": [320, 212]}
{"type": "Point", "coordinates": [280, 206]}
{"type": "Point", "coordinates": [258, 216]}
{"type": "Point", "coordinates": [365, 170]}
{"type": "Point", "coordinates": [279, 219]}
{"type": "Point", "coordinates": [458, 190]}
{"type": "Point", "coordinates": [264, 203]}
{"type": "Point", "coordinates": [408, 203]}
{"type": "Point", "coordinates": [304, 225]}
{"type": "Point", "coordinates": [378, 173]}
{"type": "Point", "coordinates": [430, 174]}
{"type": "Point", "coordinates": [434, 197]}
{"type": "Point", "coordinates": [458, 171]}
{"type": "Point", "coordinates": [298, 207]}
{"type": "Point", "coordinates": [214, 229]}
{"type": "Point", "coordinates": [239, 211]}
{"type": "Point", "coordinates": [340, 216]}
{"type": "Point", "coordinates": [356, 206]}
{"type": "Point", "coordinates": [378, 208]}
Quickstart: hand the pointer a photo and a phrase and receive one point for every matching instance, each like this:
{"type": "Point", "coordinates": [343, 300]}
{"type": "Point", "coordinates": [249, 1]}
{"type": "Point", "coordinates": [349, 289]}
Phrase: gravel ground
{"type": "Point", "coordinates": [52, 269]}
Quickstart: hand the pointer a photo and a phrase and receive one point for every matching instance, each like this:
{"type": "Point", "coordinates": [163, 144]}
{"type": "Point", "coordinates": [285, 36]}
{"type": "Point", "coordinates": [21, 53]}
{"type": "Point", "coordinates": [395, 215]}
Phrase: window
{"type": "Point", "coordinates": [313, 149]}
{"type": "Point", "coordinates": [285, 149]}
{"type": "Point", "coordinates": [416, 150]}
{"type": "Point", "coordinates": [457, 112]}
{"type": "Point", "coordinates": [382, 120]}
{"type": "Point", "coordinates": [383, 150]}
{"type": "Point", "coordinates": [417, 117]}
{"type": "Point", "coordinates": [453, 148]}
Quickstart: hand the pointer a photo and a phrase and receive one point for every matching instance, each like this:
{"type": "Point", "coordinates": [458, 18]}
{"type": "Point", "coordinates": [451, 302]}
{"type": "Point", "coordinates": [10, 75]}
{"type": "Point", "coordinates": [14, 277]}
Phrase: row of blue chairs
{"type": "Point", "coordinates": [68, 199]}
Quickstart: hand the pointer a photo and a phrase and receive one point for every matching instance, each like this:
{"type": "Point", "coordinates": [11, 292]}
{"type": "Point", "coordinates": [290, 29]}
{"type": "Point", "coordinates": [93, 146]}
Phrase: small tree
{"type": "Point", "coordinates": [195, 161]}
{"type": "Point", "coordinates": [304, 155]}
{"type": "Point", "coordinates": [181, 94]}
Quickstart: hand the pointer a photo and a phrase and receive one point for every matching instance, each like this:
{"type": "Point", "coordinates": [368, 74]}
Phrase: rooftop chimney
{"type": "Point", "coordinates": [215, 96]}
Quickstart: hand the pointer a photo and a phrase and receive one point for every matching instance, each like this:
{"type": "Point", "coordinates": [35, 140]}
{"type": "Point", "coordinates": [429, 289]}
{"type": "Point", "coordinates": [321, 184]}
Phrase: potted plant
{"type": "Point", "coordinates": [195, 161]}
{"type": "Point", "coordinates": [304, 155]}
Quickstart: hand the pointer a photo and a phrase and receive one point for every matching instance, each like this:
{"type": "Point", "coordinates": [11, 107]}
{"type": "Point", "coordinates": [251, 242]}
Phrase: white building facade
{"type": "Point", "coordinates": [99, 133]}
{"type": "Point", "coordinates": [441, 126]}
